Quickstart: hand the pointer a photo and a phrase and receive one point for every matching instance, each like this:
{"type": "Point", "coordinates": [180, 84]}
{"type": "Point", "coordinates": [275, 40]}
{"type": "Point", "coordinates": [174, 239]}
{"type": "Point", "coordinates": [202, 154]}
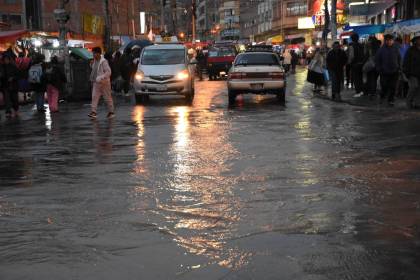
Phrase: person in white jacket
{"type": "Point", "coordinates": [101, 83]}
{"type": "Point", "coordinates": [287, 60]}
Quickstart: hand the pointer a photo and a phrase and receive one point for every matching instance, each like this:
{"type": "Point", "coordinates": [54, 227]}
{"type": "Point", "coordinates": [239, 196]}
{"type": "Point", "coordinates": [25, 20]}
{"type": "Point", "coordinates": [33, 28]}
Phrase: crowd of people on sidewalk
{"type": "Point", "coordinates": [29, 73]}
{"type": "Point", "coordinates": [361, 65]}
{"type": "Point", "coordinates": [25, 73]}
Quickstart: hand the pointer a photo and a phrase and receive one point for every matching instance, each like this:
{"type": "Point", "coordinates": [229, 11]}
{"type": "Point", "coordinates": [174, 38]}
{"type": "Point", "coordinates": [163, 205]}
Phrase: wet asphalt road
{"type": "Point", "coordinates": [314, 190]}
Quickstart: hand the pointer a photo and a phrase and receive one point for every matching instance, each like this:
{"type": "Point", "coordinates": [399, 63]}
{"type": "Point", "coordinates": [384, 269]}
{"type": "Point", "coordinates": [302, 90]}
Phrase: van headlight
{"type": "Point", "coordinates": [183, 75]}
{"type": "Point", "coordinates": [139, 75]}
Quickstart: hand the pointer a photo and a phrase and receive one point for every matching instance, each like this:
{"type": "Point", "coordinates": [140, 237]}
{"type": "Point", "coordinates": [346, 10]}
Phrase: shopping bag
{"type": "Point", "coordinates": [326, 75]}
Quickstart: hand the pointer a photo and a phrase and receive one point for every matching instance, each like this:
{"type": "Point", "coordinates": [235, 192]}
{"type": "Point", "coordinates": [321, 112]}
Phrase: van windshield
{"type": "Point", "coordinates": [163, 57]}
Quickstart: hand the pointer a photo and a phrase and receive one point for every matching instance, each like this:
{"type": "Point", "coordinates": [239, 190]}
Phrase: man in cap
{"type": "Point", "coordinates": [388, 65]}
{"type": "Point", "coordinates": [412, 70]}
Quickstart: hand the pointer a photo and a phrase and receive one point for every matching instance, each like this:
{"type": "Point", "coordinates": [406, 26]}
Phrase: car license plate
{"type": "Point", "coordinates": [161, 88]}
{"type": "Point", "coordinates": [223, 73]}
{"type": "Point", "coordinates": [256, 86]}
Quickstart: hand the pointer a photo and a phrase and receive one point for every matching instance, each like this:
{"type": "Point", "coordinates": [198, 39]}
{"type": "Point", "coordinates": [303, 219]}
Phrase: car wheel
{"type": "Point", "coordinates": [232, 97]}
{"type": "Point", "coordinates": [140, 99]}
{"type": "Point", "coordinates": [189, 97]}
{"type": "Point", "coordinates": [281, 96]}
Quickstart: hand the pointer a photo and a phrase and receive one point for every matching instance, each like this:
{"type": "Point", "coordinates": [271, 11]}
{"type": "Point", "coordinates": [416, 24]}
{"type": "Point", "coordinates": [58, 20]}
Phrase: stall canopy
{"type": "Point", "coordinates": [364, 30]}
{"type": "Point", "coordinates": [405, 27]}
{"type": "Point", "coordinates": [11, 36]}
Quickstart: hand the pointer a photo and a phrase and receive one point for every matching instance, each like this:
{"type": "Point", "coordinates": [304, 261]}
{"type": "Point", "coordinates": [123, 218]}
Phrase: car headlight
{"type": "Point", "coordinates": [139, 76]}
{"type": "Point", "coordinates": [183, 75]}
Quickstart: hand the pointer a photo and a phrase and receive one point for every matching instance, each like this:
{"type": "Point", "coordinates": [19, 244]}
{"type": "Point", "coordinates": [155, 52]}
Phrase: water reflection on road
{"type": "Point", "coordinates": [193, 198]}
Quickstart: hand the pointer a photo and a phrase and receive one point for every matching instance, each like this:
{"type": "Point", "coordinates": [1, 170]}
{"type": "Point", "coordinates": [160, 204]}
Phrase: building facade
{"type": "Point", "coordinates": [207, 21]}
{"type": "Point", "coordinates": [38, 15]}
{"type": "Point", "coordinates": [229, 13]}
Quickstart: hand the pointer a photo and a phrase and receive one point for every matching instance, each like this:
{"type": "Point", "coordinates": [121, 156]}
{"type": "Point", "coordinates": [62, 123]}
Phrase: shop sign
{"type": "Point", "coordinates": [319, 12]}
{"type": "Point", "coordinates": [93, 24]}
{"type": "Point", "coordinates": [305, 23]}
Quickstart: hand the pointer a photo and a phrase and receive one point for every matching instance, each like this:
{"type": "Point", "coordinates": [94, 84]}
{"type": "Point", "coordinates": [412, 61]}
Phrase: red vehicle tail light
{"type": "Point", "coordinates": [276, 75]}
{"type": "Point", "coordinates": [237, 75]}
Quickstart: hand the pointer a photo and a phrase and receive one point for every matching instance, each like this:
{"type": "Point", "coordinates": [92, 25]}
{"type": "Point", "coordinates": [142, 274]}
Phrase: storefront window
{"type": "Point", "coordinates": [296, 9]}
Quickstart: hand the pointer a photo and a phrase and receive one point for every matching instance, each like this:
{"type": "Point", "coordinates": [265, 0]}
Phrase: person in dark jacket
{"type": "Point", "coordinates": [388, 65]}
{"type": "Point", "coordinates": [10, 85]}
{"type": "Point", "coordinates": [126, 66]}
{"type": "Point", "coordinates": [356, 60]}
{"type": "Point", "coordinates": [295, 60]}
{"type": "Point", "coordinates": [412, 71]}
{"type": "Point", "coordinates": [201, 63]}
{"type": "Point", "coordinates": [336, 60]}
{"type": "Point", "coordinates": [55, 80]}
{"type": "Point", "coordinates": [369, 68]}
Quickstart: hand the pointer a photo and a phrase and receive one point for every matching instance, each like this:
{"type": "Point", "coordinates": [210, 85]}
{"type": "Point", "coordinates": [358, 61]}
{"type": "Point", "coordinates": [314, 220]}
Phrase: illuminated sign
{"type": "Point", "coordinates": [306, 23]}
{"type": "Point", "coordinates": [319, 12]}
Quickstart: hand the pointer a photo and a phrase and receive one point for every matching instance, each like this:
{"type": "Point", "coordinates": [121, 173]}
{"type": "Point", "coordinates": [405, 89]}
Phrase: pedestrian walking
{"type": "Point", "coordinates": [348, 66]}
{"type": "Point", "coordinates": [369, 69]}
{"type": "Point", "coordinates": [388, 65]}
{"type": "Point", "coordinates": [294, 60]}
{"type": "Point", "coordinates": [55, 80]}
{"type": "Point", "coordinates": [126, 66]}
{"type": "Point", "coordinates": [36, 79]}
{"type": "Point", "coordinates": [316, 71]}
{"type": "Point", "coordinates": [356, 60]}
{"type": "Point", "coordinates": [287, 60]}
{"type": "Point", "coordinates": [412, 71]}
{"type": "Point", "coordinates": [23, 63]}
{"type": "Point", "coordinates": [101, 83]}
{"type": "Point", "coordinates": [201, 64]}
{"type": "Point", "coordinates": [10, 86]}
{"type": "Point", "coordinates": [336, 60]}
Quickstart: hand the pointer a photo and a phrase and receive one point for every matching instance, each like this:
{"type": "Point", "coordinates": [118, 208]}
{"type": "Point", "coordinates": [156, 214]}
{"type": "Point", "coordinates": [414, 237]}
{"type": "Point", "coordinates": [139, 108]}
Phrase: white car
{"type": "Point", "coordinates": [258, 73]}
{"type": "Point", "coordinates": [164, 70]}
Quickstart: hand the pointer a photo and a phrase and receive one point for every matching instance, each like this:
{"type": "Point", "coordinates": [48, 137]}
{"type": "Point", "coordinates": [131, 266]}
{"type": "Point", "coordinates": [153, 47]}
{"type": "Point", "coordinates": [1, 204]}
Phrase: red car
{"type": "Point", "coordinates": [219, 61]}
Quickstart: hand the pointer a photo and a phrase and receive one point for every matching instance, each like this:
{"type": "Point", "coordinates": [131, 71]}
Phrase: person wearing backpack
{"type": "Point", "coordinates": [55, 80]}
{"type": "Point", "coordinates": [36, 79]}
{"type": "Point", "coordinates": [356, 60]}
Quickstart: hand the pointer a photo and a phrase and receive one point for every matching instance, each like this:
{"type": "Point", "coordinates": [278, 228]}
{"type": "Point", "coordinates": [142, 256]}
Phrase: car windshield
{"type": "Point", "coordinates": [163, 57]}
{"type": "Point", "coordinates": [221, 52]}
{"type": "Point", "coordinates": [257, 59]}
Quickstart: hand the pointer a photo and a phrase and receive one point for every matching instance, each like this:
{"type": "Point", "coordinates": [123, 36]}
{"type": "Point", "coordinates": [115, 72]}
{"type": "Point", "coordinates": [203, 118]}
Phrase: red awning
{"type": "Point", "coordinates": [11, 36]}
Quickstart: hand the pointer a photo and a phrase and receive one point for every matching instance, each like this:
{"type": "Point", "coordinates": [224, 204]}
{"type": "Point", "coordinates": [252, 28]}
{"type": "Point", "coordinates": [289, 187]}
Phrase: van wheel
{"type": "Point", "coordinates": [189, 97]}
{"type": "Point", "coordinates": [140, 99]}
{"type": "Point", "coordinates": [232, 97]}
{"type": "Point", "coordinates": [281, 96]}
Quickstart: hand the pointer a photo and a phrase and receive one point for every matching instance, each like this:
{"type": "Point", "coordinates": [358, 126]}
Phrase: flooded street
{"type": "Point", "coordinates": [314, 190]}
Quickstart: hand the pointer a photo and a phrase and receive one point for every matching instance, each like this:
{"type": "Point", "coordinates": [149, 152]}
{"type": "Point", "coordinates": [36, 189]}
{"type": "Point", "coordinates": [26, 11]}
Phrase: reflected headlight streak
{"type": "Point", "coordinates": [183, 75]}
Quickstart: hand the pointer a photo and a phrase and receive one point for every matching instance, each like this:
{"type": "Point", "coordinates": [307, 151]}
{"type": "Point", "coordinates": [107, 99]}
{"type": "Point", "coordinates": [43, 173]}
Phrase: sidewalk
{"type": "Point", "coordinates": [348, 96]}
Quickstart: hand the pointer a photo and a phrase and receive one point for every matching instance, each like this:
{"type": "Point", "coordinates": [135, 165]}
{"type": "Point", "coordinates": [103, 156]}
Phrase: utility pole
{"type": "Point", "coordinates": [194, 9]}
{"type": "Point", "coordinates": [162, 15]}
{"type": "Point", "coordinates": [326, 24]}
{"type": "Point", "coordinates": [334, 20]}
{"type": "Point", "coordinates": [107, 32]}
{"type": "Point", "coordinates": [62, 17]}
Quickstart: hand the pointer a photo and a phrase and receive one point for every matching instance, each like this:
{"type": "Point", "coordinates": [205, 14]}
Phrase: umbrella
{"type": "Point", "coordinates": [140, 43]}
